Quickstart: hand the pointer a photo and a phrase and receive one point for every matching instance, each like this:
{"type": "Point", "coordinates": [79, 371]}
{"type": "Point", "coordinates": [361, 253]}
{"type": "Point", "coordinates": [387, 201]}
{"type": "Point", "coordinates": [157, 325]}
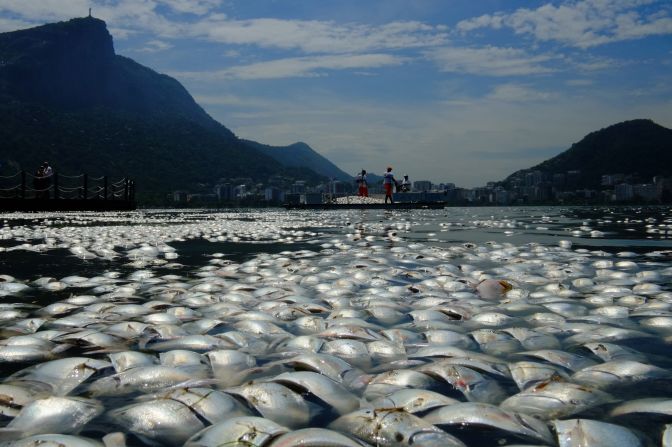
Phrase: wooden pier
{"type": "Point", "coordinates": [24, 191]}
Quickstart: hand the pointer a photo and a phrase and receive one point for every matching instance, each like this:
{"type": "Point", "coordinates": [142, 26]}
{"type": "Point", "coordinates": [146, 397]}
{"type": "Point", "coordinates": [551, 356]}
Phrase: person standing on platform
{"type": "Point", "coordinates": [405, 184]}
{"type": "Point", "coordinates": [362, 185]}
{"type": "Point", "coordinates": [389, 183]}
{"type": "Point", "coordinates": [38, 183]}
{"type": "Point", "coordinates": [47, 174]}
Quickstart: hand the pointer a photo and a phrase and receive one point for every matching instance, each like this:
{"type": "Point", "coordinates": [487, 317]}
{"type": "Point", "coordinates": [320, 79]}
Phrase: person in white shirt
{"type": "Point", "coordinates": [389, 183]}
{"type": "Point", "coordinates": [363, 187]}
{"type": "Point", "coordinates": [405, 184]}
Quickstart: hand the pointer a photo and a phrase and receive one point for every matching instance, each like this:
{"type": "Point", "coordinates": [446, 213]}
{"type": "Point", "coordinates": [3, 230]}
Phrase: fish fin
{"type": "Point", "coordinates": [116, 439]}
{"type": "Point", "coordinates": [11, 434]}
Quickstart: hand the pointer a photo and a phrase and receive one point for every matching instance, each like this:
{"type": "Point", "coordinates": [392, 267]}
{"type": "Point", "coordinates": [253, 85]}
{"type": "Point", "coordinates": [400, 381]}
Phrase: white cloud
{"type": "Point", "coordinates": [579, 82]}
{"type": "Point", "coordinates": [295, 67]}
{"type": "Point", "coordinates": [198, 7]}
{"type": "Point", "coordinates": [154, 46]}
{"type": "Point", "coordinates": [46, 10]}
{"type": "Point", "coordinates": [583, 24]}
{"type": "Point", "coordinates": [11, 24]}
{"type": "Point", "coordinates": [309, 36]}
{"type": "Point", "coordinates": [318, 36]}
{"type": "Point", "coordinates": [489, 61]}
{"type": "Point", "coordinates": [519, 93]}
{"type": "Point", "coordinates": [233, 101]}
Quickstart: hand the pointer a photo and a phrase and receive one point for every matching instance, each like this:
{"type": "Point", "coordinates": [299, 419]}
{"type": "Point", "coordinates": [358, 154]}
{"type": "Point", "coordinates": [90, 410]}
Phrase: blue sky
{"type": "Point", "coordinates": [445, 90]}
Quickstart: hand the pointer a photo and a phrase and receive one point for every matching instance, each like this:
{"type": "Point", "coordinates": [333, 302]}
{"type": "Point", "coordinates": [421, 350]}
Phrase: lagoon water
{"type": "Point", "coordinates": [490, 316]}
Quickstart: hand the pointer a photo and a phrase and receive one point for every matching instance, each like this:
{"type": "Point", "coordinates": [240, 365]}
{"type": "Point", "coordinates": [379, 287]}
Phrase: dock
{"type": "Point", "coordinates": [367, 206]}
{"type": "Point", "coordinates": [24, 191]}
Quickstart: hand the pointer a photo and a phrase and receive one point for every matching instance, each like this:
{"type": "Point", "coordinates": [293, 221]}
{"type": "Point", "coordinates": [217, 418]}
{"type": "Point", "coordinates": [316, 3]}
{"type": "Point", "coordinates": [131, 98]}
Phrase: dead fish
{"type": "Point", "coordinates": [493, 289]}
{"type": "Point", "coordinates": [655, 405]}
{"type": "Point", "coordinates": [180, 357]}
{"type": "Point", "coordinates": [526, 374]}
{"type": "Point", "coordinates": [473, 385]}
{"type": "Point", "coordinates": [14, 397]}
{"type": "Point", "coordinates": [16, 354]}
{"type": "Point", "coordinates": [314, 437]}
{"type": "Point", "coordinates": [122, 361]}
{"type": "Point", "coordinates": [328, 365]}
{"type": "Point", "coordinates": [393, 427]}
{"type": "Point", "coordinates": [65, 415]}
{"type": "Point", "coordinates": [248, 431]}
{"type": "Point", "coordinates": [164, 421]}
{"type": "Point", "coordinates": [586, 432]}
{"type": "Point", "coordinates": [275, 402]}
{"type": "Point", "coordinates": [53, 440]}
{"type": "Point", "coordinates": [479, 415]}
{"type": "Point", "coordinates": [210, 405]}
{"type": "Point", "coordinates": [327, 390]}
{"type": "Point", "coordinates": [618, 372]}
{"type": "Point", "coordinates": [62, 375]}
{"type": "Point", "coordinates": [567, 360]}
{"type": "Point", "coordinates": [413, 400]}
{"type": "Point", "coordinates": [553, 399]}
{"type": "Point", "coordinates": [145, 379]}
{"type": "Point", "coordinates": [667, 436]}
{"type": "Point", "coordinates": [404, 378]}
{"type": "Point", "coordinates": [190, 343]}
{"type": "Point", "coordinates": [610, 351]}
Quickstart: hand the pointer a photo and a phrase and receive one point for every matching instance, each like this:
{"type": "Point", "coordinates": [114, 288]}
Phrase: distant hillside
{"type": "Point", "coordinates": [66, 97]}
{"type": "Point", "coordinates": [302, 155]}
{"type": "Point", "coordinates": [639, 147]}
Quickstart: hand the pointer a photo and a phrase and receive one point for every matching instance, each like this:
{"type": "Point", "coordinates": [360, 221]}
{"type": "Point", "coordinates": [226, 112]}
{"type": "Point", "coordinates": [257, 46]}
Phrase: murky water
{"type": "Point", "coordinates": [487, 306]}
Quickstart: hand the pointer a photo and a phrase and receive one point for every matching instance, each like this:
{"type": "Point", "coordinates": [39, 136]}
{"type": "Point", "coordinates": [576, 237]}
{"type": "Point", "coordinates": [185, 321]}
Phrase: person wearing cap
{"type": "Point", "coordinates": [388, 183]}
{"type": "Point", "coordinates": [405, 184]}
{"type": "Point", "coordinates": [363, 187]}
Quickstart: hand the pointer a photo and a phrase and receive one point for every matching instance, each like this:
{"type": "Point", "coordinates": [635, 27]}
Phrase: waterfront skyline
{"type": "Point", "coordinates": [462, 93]}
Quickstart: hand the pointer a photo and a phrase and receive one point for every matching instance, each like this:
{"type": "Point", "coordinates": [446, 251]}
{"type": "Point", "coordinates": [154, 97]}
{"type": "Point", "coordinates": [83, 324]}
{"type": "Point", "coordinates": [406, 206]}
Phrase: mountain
{"type": "Point", "coordinates": [66, 97]}
{"type": "Point", "coordinates": [638, 148]}
{"type": "Point", "coordinates": [302, 155]}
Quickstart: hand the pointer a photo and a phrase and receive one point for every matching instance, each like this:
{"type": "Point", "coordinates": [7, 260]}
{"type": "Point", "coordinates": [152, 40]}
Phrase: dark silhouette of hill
{"type": "Point", "coordinates": [302, 155]}
{"type": "Point", "coordinates": [638, 147]}
{"type": "Point", "coordinates": [66, 97]}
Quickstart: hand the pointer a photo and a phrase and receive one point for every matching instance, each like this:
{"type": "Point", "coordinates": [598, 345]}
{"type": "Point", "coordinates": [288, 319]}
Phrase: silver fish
{"type": "Point", "coordinates": [327, 390]}
{"type": "Point", "coordinates": [163, 421]}
{"type": "Point", "coordinates": [553, 399]}
{"type": "Point", "coordinates": [393, 427]}
{"type": "Point", "coordinates": [479, 415]}
{"type": "Point", "coordinates": [250, 431]}
{"type": "Point", "coordinates": [618, 372]}
{"type": "Point", "coordinates": [144, 379]}
{"type": "Point", "coordinates": [63, 375]}
{"type": "Point", "coordinates": [473, 385]}
{"type": "Point", "coordinates": [667, 436]}
{"type": "Point", "coordinates": [275, 402]}
{"type": "Point", "coordinates": [652, 405]}
{"type": "Point", "coordinates": [586, 432]}
{"type": "Point", "coordinates": [315, 437]}
{"type": "Point", "coordinates": [413, 400]}
{"type": "Point", "coordinates": [526, 374]}
{"type": "Point", "coordinates": [53, 440]}
{"type": "Point", "coordinates": [64, 415]}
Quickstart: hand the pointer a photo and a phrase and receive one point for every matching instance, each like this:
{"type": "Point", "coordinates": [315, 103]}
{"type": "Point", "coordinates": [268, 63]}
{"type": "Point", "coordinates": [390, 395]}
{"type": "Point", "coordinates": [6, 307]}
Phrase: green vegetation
{"type": "Point", "coordinates": [639, 148]}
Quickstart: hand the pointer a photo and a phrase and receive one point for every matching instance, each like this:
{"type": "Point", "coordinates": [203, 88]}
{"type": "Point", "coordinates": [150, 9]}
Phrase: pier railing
{"type": "Point", "coordinates": [24, 185]}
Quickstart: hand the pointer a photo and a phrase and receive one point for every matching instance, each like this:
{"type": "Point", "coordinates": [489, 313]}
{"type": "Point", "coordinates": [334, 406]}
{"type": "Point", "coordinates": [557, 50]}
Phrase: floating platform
{"type": "Point", "coordinates": [366, 206]}
{"type": "Point", "coordinates": [66, 205]}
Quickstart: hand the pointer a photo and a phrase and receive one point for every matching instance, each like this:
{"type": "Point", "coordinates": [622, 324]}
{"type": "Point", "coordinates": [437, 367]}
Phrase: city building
{"type": "Point", "coordinates": [422, 185]}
